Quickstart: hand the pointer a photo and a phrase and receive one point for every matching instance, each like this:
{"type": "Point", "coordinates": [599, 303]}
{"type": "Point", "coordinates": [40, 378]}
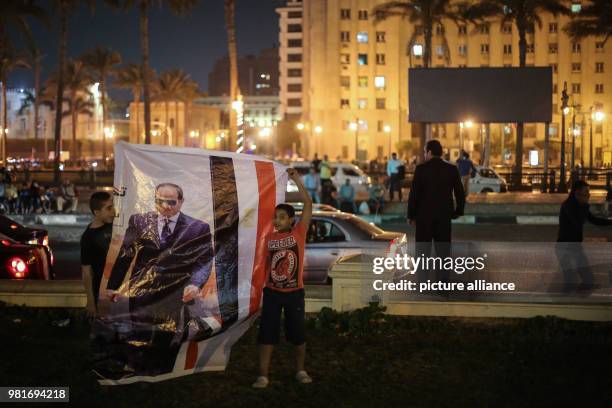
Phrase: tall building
{"type": "Point", "coordinates": [257, 75]}
{"type": "Point", "coordinates": [353, 76]}
{"type": "Point", "coordinates": [291, 54]}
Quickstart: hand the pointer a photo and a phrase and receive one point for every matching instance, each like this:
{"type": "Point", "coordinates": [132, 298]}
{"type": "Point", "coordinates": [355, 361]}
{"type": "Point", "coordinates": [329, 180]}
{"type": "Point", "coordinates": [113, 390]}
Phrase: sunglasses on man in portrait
{"type": "Point", "coordinates": [161, 201]}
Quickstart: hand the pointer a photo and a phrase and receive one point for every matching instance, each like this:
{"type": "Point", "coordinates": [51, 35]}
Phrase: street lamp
{"type": "Point", "coordinates": [597, 116]}
{"type": "Point", "coordinates": [108, 134]}
{"type": "Point", "coordinates": [300, 126]}
{"type": "Point", "coordinates": [387, 130]}
{"type": "Point", "coordinates": [354, 126]}
{"type": "Point", "coordinates": [564, 111]}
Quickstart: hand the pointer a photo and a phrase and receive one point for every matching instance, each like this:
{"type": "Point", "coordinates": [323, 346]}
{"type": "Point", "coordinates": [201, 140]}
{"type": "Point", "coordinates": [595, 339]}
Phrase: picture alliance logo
{"type": "Point", "coordinates": [411, 264]}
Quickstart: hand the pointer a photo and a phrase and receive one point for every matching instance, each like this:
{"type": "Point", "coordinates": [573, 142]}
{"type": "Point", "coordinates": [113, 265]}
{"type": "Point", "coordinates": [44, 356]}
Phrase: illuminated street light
{"type": "Point", "coordinates": [300, 126]}
{"type": "Point", "coordinates": [598, 116]}
{"type": "Point", "coordinates": [154, 132]}
{"type": "Point", "coordinates": [194, 133]}
{"type": "Point", "coordinates": [387, 129]}
{"type": "Point", "coordinates": [353, 126]}
{"type": "Point", "coordinates": [318, 129]}
{"type": "Point", "coordinates": [566, 110]}
{"type": "Point", "coordinates": [265, 132]}
{"type": "Point", "coordinates": [417, 50]}
{"type": "Point", "coordinates": [468, 123]}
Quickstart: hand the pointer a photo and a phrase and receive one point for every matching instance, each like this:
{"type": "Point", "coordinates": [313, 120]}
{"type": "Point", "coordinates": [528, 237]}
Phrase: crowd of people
{"type": "Point", "coordinates": [30, 197]}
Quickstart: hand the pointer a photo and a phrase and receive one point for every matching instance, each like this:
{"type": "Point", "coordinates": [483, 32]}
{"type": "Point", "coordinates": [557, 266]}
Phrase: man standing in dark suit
{"type": "Point", "coordinates": [430, 203]}
{"type": "Point", "coordinates": [172, 257]}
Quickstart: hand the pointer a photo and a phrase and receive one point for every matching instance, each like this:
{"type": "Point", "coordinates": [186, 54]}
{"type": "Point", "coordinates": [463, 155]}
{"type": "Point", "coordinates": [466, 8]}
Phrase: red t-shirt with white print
{"type": "Point", "coordinates": [285, 266]}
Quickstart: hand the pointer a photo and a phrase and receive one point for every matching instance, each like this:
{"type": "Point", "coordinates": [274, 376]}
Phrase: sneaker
{"type": "Point", "coordinates": [261, 382]}
{"type": "Point", "coordinates": [303, 378]}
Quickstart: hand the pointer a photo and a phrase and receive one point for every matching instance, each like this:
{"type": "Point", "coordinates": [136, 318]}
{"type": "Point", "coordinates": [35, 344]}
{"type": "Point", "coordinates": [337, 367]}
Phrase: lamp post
{"type": "Point", "coordinates": [597, 116]}
{"type": "Point", "coordinates": [108, 134]}
{"type": "Point", "coordinates": [573, 161]}
{"type": "Point", "coordinates": [354, 126]}
{"type": "Point", "coordinates": [564, 111]}
{"type": "Point", "coordinates": [387, 130]}
{"type": "Point", "coordinates": [318, 130]}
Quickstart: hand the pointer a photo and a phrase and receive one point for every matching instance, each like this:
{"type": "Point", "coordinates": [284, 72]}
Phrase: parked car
{"type": "Point", "coordinates": [299, 206]}
{"type": "Point", "coordinates": [487, 181]}
{"type": "Point", "coordinates": [332, 235]}
{"type": "Point", "coordinates": [340, 172]}
{"type": "Point", "coordinates": [24, 252]}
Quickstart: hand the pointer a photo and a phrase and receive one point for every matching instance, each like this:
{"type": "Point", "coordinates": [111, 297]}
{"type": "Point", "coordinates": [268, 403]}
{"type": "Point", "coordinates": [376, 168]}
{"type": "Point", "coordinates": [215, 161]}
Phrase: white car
{"type": "Point", "coordinates": [487, 181]}
{"type": "Point", "coordinates": [340, 172]}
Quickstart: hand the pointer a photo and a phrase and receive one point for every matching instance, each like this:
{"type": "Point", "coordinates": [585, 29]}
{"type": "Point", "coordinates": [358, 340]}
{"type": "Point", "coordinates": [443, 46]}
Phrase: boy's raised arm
{"type": "Point", "coordinates": [307, 211]}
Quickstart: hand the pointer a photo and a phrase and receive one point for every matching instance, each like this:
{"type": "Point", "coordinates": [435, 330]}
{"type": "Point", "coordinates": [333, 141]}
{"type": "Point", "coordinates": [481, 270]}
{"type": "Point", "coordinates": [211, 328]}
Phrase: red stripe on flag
{"type": "Point", "coordinates": [191, 356]}
{"type": "Point", "coordinates": [266, 182]}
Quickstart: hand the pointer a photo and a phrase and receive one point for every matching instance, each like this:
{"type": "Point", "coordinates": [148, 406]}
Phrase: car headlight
{"type": "Point", "coordinates": [33, 242]}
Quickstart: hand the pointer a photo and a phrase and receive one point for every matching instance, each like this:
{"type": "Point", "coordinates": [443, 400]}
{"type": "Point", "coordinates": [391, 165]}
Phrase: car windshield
{"type": "Point", "coordinates": [365, 226]}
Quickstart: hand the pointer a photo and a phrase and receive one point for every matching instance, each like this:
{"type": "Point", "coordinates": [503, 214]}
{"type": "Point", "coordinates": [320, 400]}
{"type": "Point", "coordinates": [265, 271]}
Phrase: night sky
{"type": "Point", "coordinates": [192, 42]}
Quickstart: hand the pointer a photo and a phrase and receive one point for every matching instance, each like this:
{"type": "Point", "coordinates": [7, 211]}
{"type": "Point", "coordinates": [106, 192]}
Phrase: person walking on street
{"type": "Point", "coordinates": [466, 170]}
{"type": "Point", "coordinates": [394, 176]}
{"type": "Point", "coordinates": [574, 212]}
{"type": "Point", "coordinates": [431, 207]}
{"type": "Point", "coordinates": [312, 181]}
{"type": "Point", "coordinates": [347, 198]}
{"type": "Point", "coordinates": [325, 174]}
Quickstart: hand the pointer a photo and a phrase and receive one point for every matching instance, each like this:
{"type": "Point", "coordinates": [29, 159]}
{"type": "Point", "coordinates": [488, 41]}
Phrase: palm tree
{"type": "Point", "coordinates": [130, 77]}
{"type": "Point", "coordinates": [525, 14]}
{"type": "Point", "coordinates": [75, 107]}
{"type": "Point", "coordinates": [594, 20]}
{"type": "Point", "coordinates": [35, 57]}
{"type": "Point", "coordinates": [64, 9]}
{"type": "Point", "coordinates": [189, 92]}
{"type": "Point", "coordinates": [176, 6]}
{"type": "Point", "coordinates": [230, 25]}
{"type": "Point", "coordinates": [169, 88]}
{"type": "Point", "coordinates": [102, 63]}
{"type": "Point", "coordinates": [9, 61]}
{"type": "Point", "coordinates": [77, 80]}
{"type": "Point", "coordinates": [14, 13]}
{"type": "Point", "coordinates": [424, 15]}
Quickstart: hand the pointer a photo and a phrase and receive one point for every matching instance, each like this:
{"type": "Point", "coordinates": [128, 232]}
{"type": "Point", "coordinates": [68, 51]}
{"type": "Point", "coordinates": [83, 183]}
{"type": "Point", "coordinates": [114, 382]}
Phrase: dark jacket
{"type": "Point", "coordinates": [572, 217]}
{"type": "Point", "coordinates": [433, 186]}
{"type": "Point", "coordinates": [162, 271]}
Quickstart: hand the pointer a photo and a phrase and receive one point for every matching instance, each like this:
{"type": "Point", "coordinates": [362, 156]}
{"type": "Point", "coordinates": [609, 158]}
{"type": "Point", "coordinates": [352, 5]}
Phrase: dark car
{"type": "Point", "coordinates": [24, 252]}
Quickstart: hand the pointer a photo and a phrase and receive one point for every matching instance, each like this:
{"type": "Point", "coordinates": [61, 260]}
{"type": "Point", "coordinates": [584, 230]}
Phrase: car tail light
{"type": "Point", "coordinates": [17, 267]}
{"type": "Point", "coordinates": [6, 242]}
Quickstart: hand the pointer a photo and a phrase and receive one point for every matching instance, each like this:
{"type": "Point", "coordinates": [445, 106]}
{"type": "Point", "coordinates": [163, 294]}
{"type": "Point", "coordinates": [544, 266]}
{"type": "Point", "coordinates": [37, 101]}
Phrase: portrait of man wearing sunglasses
{"type": "Point", "coordinates": [172, 255]}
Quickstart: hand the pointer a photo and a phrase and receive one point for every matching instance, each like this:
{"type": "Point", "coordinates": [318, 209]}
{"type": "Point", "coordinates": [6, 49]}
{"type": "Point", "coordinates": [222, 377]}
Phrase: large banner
{"type": "Point", "coordinates": [185, 270]}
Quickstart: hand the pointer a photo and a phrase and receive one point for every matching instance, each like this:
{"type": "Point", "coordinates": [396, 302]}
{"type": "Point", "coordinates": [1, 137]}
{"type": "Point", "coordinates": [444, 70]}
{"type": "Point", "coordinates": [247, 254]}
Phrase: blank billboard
{"type": "Point", "coordinates": [484, 95]}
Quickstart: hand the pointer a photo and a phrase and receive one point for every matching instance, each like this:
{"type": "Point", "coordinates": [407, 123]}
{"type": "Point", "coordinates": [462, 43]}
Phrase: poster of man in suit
{"type": "Point", "coordinates": [182, 280]}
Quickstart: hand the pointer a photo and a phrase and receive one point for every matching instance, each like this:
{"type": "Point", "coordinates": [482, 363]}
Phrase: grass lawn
{"type": "Point", "coordinates": [361, 359]}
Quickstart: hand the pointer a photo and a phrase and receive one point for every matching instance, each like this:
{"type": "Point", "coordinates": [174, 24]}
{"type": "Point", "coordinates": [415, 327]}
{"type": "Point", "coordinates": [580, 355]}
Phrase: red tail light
{"type": "Point", "coordinates": [17, 267]}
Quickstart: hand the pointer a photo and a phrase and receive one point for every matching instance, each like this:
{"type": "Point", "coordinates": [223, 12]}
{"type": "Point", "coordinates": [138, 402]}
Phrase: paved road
{"type": "Point", "coordinates": [67, 253]}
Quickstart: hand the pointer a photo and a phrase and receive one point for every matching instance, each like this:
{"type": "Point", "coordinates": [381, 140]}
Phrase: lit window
{"type": "Point", "coordinates": [362, 37]}
{"type": "Point", "coordinates": [363, 81]}
{"type": "Point", "coordinates": [379, 82]}
{"type": "Point", "coordinates": [576, 7]}
{"type": "Point", "coordinates": [362, 59]}
{"type": "Point", "coordinates": [362, 103]}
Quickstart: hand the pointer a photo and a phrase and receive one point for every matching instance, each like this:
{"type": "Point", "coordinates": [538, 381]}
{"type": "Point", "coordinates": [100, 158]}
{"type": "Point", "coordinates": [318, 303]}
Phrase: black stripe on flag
{"type": "Point", "coordinates": [225, 202]}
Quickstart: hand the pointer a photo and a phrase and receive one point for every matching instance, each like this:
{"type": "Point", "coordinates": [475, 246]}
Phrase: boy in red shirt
{"type": "Point", "coordinates": [284, 287]}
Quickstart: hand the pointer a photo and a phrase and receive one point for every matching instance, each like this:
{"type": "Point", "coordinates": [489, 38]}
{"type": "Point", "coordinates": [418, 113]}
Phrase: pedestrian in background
{"type": "Point", "coordinates": [312, 181]}
{"type": "Point", "coordinates": [574, 213]}
{"type": "Point", "coordinates": [347, 197]}
{"type": "Point", "coordinates": [466, 170]}
{"type": "Point", "coordinates": [394, 176]}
